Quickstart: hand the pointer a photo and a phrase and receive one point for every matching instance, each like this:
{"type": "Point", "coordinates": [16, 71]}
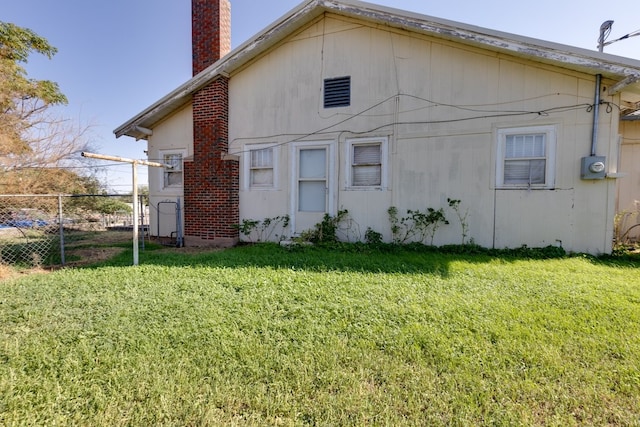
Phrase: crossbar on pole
{"type": "Point", "coordinates": [134, 172]}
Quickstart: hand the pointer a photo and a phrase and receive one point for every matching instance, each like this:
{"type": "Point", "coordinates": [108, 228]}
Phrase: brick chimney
{"type": "Point", "coordinates": [210, 32]}
{"type": "Point", "coordinates": [211, 178]}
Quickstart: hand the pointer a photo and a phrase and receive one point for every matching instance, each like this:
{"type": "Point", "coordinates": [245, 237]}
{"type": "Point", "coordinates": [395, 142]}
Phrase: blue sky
{"type": "Point", "coordinates": [117, 57]}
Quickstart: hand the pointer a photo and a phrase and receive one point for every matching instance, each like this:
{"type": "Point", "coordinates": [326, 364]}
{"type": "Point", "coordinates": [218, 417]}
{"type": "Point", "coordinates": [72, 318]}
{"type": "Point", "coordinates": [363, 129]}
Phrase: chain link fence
{"type": "Point", "coordinates": [36, 229]}
{"type": "Point", "coordinates": [627, 226]}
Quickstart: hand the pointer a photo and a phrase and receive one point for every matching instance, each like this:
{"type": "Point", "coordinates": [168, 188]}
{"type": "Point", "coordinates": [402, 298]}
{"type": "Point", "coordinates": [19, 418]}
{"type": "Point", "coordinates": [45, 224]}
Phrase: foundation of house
{"type": "Point", "coordinates": [217, 242]}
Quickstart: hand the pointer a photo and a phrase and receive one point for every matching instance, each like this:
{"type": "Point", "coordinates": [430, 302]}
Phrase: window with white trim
{"type": "Point", "coordinates": [526, 157]}
{"type": "Point", "coordinates": [261, 167]}
{"type": "Point", "coordinates": [367, 162]}
{"type": "Point", "coordinates": [173, 175]}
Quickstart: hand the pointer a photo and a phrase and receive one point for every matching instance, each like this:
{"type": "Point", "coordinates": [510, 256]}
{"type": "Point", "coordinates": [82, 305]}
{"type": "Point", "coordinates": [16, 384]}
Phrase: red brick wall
{"type": "Point", "coordinates": [211, 184]}
{"type": "Point", "coordinates": [210, 32]}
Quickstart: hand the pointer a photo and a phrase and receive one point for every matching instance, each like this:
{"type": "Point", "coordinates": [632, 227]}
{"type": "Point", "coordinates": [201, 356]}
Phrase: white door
{"type": "Point", "coordinates": [312, 185]}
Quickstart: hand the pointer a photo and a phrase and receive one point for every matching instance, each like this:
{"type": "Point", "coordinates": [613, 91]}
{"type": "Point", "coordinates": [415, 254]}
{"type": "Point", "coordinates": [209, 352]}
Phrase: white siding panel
{"type": "Point", "coordinates": [628, 194]}
{"type": "Point", "coordinates": [173, 134]}
{"type": "Point", "coordinates": [446, 101]}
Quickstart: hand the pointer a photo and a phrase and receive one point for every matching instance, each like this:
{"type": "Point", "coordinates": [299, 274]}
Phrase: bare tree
{"type": "Point", "coordinates": [35, 139]}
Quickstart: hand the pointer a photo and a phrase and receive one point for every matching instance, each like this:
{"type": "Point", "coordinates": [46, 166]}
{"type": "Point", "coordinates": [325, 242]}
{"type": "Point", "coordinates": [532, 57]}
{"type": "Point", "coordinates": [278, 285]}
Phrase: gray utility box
{"type": "Point", "coordinates": [593, 167]}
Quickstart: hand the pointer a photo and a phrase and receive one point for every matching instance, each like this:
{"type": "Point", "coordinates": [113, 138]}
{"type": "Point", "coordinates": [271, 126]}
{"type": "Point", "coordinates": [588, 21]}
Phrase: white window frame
{"type": "Point", "coordinates": [248, 149]}
{"type": "Point", "coordinates": [332, 176]}
{"type": "Point", "coordinates": [166, 171]}
{"type": "Point", "coordinates": [384, 162]}
{"type": "Point", "coordinates": [550, 134]}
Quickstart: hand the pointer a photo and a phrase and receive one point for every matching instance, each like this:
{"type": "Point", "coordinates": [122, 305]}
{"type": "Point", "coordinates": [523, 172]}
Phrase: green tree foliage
{"type": "Point", "coordinates": [110, 206]}
{"type": "Point", "coordinates": [21, 97]}
{"type": "Point", "coordinates": [143, 192]}
{"type": "Point", "coordinates": [32, 137]}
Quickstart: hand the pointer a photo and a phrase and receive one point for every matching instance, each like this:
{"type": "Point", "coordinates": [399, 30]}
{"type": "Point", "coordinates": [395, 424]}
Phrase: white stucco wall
{"type": "Point", "coordinates": [628, 196]}
{"type": "Point", "coordinates": [174, 134]}
{"type": "Point", "coordinates": [440, 105]}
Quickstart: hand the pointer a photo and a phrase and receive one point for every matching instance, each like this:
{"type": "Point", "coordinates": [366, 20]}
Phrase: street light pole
{"type": "Point", "coordinates": [605, 29]}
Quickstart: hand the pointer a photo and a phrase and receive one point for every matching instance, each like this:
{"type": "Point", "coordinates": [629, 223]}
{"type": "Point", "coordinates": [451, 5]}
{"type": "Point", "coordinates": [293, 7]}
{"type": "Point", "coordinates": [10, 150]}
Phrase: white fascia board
{"type": "Point", "coordinates": [583, 60]}
{"type": "Point", "coordinates": [568, 56]}
{"type": "Point", "coordinates": [223, 67]}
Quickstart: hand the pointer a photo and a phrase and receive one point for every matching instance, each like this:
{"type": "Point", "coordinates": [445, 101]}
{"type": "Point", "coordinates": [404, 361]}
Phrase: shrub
{"type": "Point", "coordinates": [264, 229]}
{"type": "Point", "coordinates": [325, 232]}
{"type": "Point", "coordinates": [416, 225]}
{"type": "Point", "coordinates": [462, 216]}
{"type": "Point", "coordinates": [372, 237]}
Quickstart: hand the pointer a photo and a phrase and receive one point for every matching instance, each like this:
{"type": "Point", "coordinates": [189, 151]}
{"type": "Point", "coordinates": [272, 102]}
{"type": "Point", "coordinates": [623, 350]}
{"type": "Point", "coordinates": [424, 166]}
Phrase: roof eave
{"type": "Point", "coordinates": [263, 41]}
{"type": "Point", "coordinates": [624, 70]}
{"type": "Point", "coordinates": [556, 53]}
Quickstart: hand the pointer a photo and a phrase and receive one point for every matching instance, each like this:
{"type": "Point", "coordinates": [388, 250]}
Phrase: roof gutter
{"type": "Point", "coordinates": [574, 58]}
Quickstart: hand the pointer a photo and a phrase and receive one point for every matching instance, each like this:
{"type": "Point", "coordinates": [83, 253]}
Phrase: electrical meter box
{"type": "Point", "coordinates": [593, 167]}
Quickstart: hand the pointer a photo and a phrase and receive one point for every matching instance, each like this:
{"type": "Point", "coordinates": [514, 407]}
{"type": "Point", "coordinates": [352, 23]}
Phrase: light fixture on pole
{"type": "Point", "coordinates": [605, 30]}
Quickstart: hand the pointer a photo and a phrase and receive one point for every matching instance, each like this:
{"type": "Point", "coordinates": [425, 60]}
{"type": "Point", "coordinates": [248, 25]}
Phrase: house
{"type": "Point", "coordinates": [345, 105]}
{"type": "Point", "coordinates": [627, 221]}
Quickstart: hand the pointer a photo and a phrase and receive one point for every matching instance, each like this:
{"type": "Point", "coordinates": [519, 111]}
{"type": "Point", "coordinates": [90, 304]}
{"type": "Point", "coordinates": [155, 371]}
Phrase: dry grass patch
{"type": "Point", "coordinates": [6, 272]}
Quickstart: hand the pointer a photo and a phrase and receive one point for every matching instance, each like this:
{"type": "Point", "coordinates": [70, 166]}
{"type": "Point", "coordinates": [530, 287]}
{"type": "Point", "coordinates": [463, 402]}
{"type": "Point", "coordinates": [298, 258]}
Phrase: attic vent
{"type": "Point", "coordinates": [337, 92]}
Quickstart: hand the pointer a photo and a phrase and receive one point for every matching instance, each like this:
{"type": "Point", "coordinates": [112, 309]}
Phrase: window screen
{"type": "Point", "coordinates": [366, 165]}
{"type": "Point", "coordinates": [525, 159]}
{"type": "Point", "coordinates": [173, 175]}
{"type": "Point", "coordinates": [261, 174]}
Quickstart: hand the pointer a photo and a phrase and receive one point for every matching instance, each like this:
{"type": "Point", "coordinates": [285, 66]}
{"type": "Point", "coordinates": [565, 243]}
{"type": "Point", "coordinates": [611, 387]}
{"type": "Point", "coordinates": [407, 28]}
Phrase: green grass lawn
{"type": "Point", "coordinates": [261, 335]}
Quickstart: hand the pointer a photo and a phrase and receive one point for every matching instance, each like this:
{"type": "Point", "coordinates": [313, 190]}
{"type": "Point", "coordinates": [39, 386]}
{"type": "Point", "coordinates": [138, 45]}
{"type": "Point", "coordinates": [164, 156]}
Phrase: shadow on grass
{"type": "Point", "coordinates": [353, 257]}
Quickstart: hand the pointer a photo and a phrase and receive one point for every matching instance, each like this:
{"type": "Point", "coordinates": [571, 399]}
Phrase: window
{"type": "Point", "coordinates": [172, 175]}
{"type": "Point", "coordinates": [337, 92]}
{"type": "Point", "coordinates": [367, 162]}
{"type": "Point", "coordinates": [261, 167]}
{"type": "Point", "coordinates": [526, 157]}
{"type": "Point", "coordinates": [312, 180]}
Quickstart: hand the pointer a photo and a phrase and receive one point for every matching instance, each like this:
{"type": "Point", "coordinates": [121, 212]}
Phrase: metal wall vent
{"type": "Point", "coordinates": [337, 92]}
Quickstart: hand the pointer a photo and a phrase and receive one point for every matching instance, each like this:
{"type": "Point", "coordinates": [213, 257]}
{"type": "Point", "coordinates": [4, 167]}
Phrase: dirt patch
{"type": "Point", "coordinates": [6, 272]}
{"type": "Point", "coordinates": [103, 238]}
{"type": "Point", "coordinates": [92, 255]}
{"type": "Point", "coordinates": [95, 247]}
{"type": "Point", "coordinates": [81, 250]}
{"type": "Point", "coordinates": [192, 250]}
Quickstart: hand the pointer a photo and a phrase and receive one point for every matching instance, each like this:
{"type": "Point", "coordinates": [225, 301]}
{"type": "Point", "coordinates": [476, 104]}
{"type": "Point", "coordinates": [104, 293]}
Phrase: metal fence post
{"type": "Point", "coordinates": [61, 224]}
{"type": "Point", "coordinates": [141, 220]}
{"type": "Point", "coordinates": [179, 240]}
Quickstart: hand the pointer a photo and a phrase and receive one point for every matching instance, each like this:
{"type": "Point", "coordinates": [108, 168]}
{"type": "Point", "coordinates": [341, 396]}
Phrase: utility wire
{"type": "Point", "coordinates": [497, 113]}
{"type": "Point", "coordinates": [626, 36]}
